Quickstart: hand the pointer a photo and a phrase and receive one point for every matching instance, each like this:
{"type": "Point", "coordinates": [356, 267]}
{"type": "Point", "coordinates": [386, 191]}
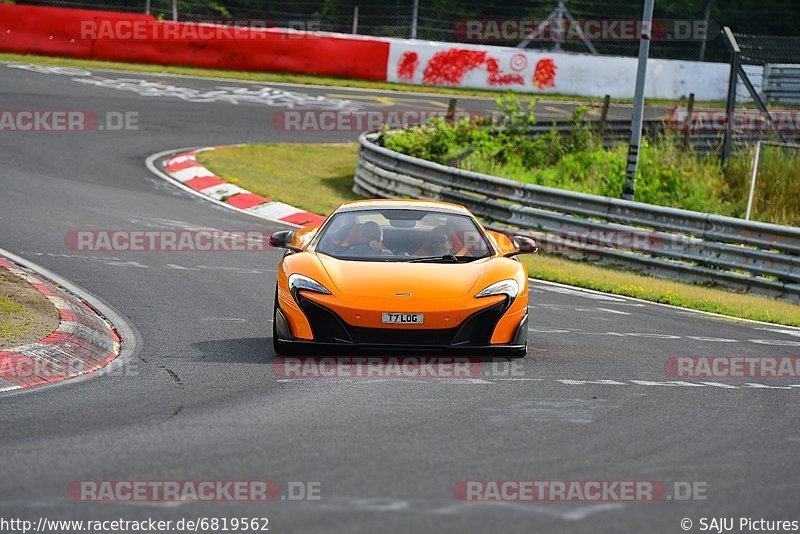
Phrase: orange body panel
{"type": "Point", "coordinates": [362, 290]}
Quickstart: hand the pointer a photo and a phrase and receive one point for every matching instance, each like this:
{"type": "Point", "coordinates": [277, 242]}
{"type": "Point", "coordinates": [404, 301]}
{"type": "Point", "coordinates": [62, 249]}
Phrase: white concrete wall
{"type": "Point", "coordinates": [493, 67]}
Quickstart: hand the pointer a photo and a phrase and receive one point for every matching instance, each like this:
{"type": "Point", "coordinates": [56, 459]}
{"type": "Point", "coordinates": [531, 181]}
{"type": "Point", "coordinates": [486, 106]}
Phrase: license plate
{"type": "Point", "coordinates": [402, 318]}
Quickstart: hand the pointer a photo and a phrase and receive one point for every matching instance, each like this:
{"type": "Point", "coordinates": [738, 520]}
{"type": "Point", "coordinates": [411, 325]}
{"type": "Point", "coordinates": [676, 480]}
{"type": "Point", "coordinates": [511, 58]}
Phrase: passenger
{"type": "Point", "coordinates": [438, 243]}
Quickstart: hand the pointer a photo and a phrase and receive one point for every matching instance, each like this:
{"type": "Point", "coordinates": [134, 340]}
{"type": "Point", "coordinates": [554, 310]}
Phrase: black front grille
{"type": "Point", "coordinates": [328, 327]}
{"type": "Point", "coordinates": [478, 328]}
{"type": "Point", "coordinates": [325, 325]}
{"type": "Point", "coordinates": [392, 336]}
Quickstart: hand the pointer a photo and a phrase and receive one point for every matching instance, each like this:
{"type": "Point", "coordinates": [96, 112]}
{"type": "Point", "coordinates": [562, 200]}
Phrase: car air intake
{"type": "Point", "coordinates": [328, 327]}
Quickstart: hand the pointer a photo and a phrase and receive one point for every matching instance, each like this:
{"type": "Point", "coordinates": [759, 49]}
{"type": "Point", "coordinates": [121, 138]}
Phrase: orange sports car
{"type": "Point", "coordinates": [401, 274]}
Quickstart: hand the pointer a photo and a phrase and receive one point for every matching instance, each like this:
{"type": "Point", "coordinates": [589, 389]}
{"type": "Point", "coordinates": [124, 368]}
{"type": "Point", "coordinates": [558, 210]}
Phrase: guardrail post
{"type": "Point", "coordinates": [689, 122]}
{"type": "Point", "coordinates": [451, 110]}
{"type": "Point", "coordinates": [654, 131]}
{"type": "Point", "coordinates": [603, 117]}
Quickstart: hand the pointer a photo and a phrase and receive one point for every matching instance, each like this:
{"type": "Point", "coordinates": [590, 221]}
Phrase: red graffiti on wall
{"type": "Point", "coordinates": [498, 78]}
{"type": "Point", "coordinates": [450, 66]}
{"type": "Point", "coordinates": [409, 62]}
{"type": "Point", "coordinates": [545, 74]}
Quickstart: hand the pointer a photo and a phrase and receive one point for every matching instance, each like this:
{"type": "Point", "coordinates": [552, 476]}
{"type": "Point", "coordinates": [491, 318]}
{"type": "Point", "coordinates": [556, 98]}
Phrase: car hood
{"type": "Point", "coordinates": [387, 279]}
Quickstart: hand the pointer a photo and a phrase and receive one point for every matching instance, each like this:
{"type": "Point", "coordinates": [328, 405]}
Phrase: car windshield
{"type": "Point", "coordinates": [403, 235]}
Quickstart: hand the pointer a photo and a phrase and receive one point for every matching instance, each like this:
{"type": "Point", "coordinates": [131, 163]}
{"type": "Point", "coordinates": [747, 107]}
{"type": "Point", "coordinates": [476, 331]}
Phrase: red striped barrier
{"type": "Point", "coordinates": [144, 39]}
{"type": "Point", "coordinates": [130, 37]}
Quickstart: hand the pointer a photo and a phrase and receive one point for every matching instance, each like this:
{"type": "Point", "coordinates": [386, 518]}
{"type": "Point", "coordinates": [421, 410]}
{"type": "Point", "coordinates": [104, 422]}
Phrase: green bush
{"type": "Point", "coordinates": [667, 175]}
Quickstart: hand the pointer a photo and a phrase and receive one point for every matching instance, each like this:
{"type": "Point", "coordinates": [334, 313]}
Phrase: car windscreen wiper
{"type": "Point", "coordinates": [446, 257]}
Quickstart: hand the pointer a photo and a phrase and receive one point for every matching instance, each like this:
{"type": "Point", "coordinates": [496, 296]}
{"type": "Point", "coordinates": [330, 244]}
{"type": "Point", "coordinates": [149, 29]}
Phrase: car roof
{"type": "Point", "coordinates": [428, 205]}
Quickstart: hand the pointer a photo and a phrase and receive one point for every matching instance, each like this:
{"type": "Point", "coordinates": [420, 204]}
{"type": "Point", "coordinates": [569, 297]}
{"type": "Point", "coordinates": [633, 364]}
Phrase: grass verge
{"type": "Point", "coordinates": [286, 77]}
{"type": "Point", "coordinates": [9, 310]}
{"type": "Point", "coordinates": [315, 177]}
{"type": "Point", "coordinates": [696, 297]}
{"type": "Point", "coordinates": [318, 178]}
{"type": "Point", "coordinates": [26, 316]}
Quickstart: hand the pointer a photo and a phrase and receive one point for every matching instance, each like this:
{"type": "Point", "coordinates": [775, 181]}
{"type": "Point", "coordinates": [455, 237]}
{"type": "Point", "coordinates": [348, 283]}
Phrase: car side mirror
{"type": "Point", "coordinates": [525, 245]}
{"type": "Point", "coordinates": [282, 239]}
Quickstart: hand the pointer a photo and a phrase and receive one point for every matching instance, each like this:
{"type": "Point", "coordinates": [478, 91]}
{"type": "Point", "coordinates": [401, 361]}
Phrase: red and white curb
{"type": "Point", "coordinates": [83, 343]}
{"type": "Point", "coordinates": [184, 168]}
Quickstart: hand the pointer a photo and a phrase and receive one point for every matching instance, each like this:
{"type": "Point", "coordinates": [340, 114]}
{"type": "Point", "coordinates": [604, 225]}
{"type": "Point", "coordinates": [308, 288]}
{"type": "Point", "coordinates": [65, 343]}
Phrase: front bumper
{"type": "Point", "coordinates": [314, 348]}
{"type": "Point", "coordinates": [473, 335]}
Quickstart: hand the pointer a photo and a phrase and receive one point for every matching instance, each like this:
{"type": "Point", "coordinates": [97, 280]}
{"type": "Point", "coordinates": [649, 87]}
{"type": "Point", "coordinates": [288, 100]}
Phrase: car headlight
{"type": "Point", "coordinates": [298, 282]}
{"type": "Point", "coordinates": [508, 287]}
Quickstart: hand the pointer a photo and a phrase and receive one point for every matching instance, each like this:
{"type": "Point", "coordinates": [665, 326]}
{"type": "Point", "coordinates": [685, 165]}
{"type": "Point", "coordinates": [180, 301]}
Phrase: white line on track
{"type": "Point", "coordinates": [793, 333]}
{"type": "Point", "coordinates": [399, 92]}
{"type": "Point", "coordinates": [586, 292]}
{"type": "Point", "coordinates": [488, 381]}
{"type": "Point", "coordinates": [609, 310]}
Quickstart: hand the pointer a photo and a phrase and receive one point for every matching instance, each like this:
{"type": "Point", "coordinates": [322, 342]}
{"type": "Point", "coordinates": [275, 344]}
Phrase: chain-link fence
{"type": "Point", "coordinates": [763, 49]}
{"type": "Point", "coordinates": [683, 29]}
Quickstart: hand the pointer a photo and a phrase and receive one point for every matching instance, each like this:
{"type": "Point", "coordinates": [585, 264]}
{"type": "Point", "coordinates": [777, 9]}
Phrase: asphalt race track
{"type": "Point", "coordinates": [198, 399]}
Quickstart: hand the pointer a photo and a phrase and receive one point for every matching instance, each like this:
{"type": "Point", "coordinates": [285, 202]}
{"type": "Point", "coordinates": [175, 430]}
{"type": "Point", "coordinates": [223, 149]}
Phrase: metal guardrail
{"type": "Point", "coordinates": [782, 83]}
{"type": "Point", "coordinates": [667, 242]}
{"type": "Point", "coordinates": [701, 141]}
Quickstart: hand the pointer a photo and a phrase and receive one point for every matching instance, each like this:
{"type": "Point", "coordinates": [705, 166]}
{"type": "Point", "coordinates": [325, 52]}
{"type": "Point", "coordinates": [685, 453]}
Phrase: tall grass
{"type": "Point", "coordinates": [777, 193]}
{"type": "Point", "coordinates": [667, 175]}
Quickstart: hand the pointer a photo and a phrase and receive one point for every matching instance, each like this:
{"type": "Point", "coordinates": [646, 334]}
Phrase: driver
{"type": "Point", "coordinates": [370, 240]}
